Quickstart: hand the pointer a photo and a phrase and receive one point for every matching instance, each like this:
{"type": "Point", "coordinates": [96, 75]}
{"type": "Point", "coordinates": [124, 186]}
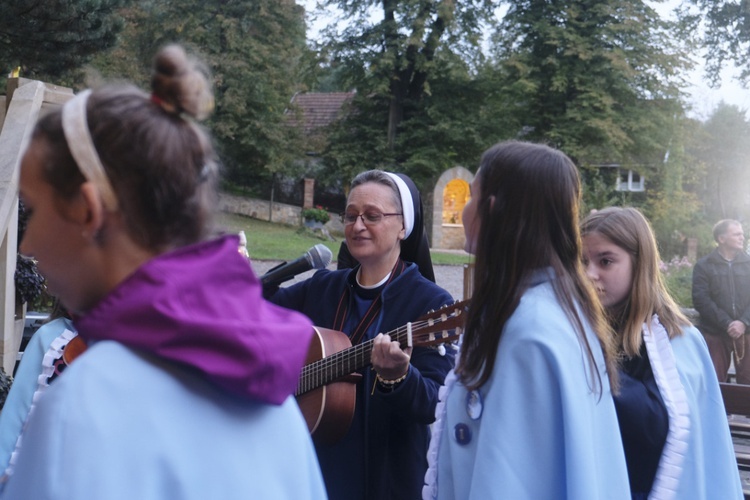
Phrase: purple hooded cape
{"type": "Point", "coordinates": [201, 306]}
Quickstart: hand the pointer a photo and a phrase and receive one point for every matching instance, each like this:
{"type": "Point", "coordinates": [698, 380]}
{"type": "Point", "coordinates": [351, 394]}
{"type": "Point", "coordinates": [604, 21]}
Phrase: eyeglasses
{"type": "Point", "coordinates": [368, 218]}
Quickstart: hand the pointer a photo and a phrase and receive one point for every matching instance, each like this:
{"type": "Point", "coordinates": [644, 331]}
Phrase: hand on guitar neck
{"type": "Point", "coordinates": [326, 392]}
{"type": "Point", "coordinates": [388, 358]}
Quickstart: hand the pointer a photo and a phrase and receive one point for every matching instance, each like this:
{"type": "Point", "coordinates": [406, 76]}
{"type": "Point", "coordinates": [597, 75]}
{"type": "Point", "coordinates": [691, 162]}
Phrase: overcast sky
{"type": "Point", "coordinates": [703, 99]}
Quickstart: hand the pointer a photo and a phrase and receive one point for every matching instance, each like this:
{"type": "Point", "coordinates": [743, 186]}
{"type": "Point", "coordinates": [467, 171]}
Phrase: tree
{"type": "Point", "coordinates": [599, 79]}
{"type": "Point", "coordinates": [395, 56]}
{"type": "Point", "coordinates": [414, 71]}
{"type": "Point", "coordinates": [452, 125]}
{"type": "Point", "coordinates": [726, 28]}
{"type": "Point", "coordinates": [725, 153]}
{"type": "Point", "coordinates": [48, 39]}
{"type": "Point", "coordinates": [257, 54]}
{"type": "Point", "coordinates": [673, 205]}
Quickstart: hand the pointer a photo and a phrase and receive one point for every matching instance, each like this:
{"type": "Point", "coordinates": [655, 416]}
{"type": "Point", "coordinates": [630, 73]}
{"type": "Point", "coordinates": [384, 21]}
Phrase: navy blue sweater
{"type": "Point", "coordinates": [383, 456]}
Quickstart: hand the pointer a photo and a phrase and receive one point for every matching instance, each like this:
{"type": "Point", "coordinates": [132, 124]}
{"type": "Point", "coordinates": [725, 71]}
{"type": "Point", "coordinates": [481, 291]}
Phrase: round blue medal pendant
{"type": "Point", "coordinates": [462, 433]}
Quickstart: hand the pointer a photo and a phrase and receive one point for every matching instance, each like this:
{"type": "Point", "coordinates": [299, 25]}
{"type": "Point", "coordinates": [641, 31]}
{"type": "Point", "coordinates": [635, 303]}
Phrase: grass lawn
{"type": "Point", "coordinates": [268, 241]}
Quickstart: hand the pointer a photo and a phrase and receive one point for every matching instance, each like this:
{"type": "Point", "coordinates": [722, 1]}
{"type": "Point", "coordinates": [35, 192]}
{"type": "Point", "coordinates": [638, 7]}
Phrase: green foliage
{"type": "Point", "coordinates": [671, 203]}
{"type": "Point", "coordinates": [29, 283]}
{"type": "Point", "coordinates": [55, 37]}
{"type": "Point", "coordinates": [597, 78]}
{"type": "Point", "coordinates": [449, 258]}
{"type": "Point", "coordinates": [450, 127]}
{"type": "Point", "coordinates": [599, 189]}
{"type": "Point", "coordinates": [594, 78]}
{"type": "Point", "coordinates": [268, 241]}
{"type": "Point", "coordinates": [726, 28]}
{"type": "Point", "coordinates": [317, 214]}
{"type": "Point", "coordinates": [674, 220]}
{"type": "Point", "coordinates": [358, 142]}
{"type": "Point", "coordinates": [5, 384]}
{"type": "Point", "coordinates": [600, 80]}
{"type": "Point", "coordinates": [131, 58]}
{"type": "Point", "coordinates": [412, 71]}
{"type": "Point", "coordinates": [678, 276]}
{"type": "Point", "coordinates": [462, 116]}
{"type": "Point", "coordinates": [256, 51]}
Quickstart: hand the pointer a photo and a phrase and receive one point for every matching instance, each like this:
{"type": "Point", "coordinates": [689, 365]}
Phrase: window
{"type": "Point", "coordinates": [455, 196]}
{"type": "Point", "coordinates": [630, 180]}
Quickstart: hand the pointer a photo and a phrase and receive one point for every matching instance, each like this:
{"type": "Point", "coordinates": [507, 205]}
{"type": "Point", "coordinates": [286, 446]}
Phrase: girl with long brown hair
{"type": "Point", "coordinates": [528, 412]}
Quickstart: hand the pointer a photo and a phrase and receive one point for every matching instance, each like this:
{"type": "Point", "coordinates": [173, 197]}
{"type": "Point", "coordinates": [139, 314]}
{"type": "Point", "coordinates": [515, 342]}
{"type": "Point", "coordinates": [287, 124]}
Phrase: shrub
{"type": "Point", "coordinates": [318, 214]}
{"type": "Point", "coordinates": [678, 275]}
{"type": "Point", "coordinates": [29, 284]}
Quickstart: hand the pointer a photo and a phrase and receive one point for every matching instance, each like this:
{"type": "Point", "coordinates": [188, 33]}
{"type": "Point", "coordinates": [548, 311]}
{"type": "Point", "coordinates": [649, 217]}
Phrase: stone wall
{"type": "Point", "coordinates": [261, 209]}
{"type": "Point", "coordinates": [453, 237]}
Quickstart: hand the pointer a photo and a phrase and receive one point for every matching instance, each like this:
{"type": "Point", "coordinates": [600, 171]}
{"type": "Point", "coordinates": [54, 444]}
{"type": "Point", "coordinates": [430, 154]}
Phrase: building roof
{"type": "Point", "coordinates": [318, 109]}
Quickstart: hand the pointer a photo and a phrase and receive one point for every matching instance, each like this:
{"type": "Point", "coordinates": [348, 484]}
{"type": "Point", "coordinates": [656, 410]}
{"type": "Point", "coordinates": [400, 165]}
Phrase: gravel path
{"type": "Point", "coordinates": [449, 277]}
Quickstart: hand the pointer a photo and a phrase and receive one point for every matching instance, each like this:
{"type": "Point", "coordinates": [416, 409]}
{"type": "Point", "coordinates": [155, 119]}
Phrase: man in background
{"type": "Point", "coordinates": [721, 294]}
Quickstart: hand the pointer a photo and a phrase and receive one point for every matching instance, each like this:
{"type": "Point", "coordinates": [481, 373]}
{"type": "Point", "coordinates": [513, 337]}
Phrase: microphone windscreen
{"type": "Point", "coordinates": [320, 256]}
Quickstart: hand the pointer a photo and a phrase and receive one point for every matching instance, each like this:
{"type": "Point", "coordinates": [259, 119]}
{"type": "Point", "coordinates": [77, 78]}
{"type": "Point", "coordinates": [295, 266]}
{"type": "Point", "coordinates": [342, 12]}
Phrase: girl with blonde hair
{"type": "Point", "coordinates": [672, 420]}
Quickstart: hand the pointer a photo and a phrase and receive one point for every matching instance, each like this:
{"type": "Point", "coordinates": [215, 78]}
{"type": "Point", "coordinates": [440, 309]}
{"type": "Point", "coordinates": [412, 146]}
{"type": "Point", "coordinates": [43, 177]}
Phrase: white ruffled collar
{"type": "Point", "coordinates": [664, 367]}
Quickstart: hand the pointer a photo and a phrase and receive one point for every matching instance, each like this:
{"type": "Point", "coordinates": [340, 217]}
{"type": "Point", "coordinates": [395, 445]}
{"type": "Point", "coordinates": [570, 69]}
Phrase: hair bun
{"type": "Point", "coordinates": [180, 83]}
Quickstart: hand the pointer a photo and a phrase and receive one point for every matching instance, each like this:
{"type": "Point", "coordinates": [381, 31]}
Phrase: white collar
{"type": "Point", "coordinates": [376, 285]}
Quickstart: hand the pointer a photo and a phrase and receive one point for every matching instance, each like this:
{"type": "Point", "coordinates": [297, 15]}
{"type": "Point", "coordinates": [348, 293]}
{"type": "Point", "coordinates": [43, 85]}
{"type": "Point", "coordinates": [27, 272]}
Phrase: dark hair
{"type": "Point", "coordinates": [160, 163]}
{"type": "Point", "coordinates": [527, 211]}
{"type": "Point", "coordinates": [721, 227]}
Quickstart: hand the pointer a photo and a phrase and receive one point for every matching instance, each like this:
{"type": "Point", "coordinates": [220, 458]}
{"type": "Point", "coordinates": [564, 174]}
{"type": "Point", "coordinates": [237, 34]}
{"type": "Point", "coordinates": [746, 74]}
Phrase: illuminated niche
{"type": "Point", "coordinates": [455, 196]}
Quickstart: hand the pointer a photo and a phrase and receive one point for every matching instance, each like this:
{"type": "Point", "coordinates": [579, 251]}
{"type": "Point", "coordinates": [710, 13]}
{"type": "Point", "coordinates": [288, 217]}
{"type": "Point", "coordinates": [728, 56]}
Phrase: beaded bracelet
{"type": "Point", "coordinates": [391, 383]}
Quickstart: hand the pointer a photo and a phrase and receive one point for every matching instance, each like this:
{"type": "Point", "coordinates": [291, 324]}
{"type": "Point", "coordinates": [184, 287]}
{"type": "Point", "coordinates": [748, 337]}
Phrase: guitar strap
{"type": "Point", "coordinates": [372, 312]}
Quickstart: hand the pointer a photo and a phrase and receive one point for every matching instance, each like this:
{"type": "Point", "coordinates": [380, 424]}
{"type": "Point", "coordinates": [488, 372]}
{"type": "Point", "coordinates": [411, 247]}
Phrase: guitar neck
{"type": "Point", "coordinates": [340, 364]}
{"type": "Point", "coordinates": [436, 327]}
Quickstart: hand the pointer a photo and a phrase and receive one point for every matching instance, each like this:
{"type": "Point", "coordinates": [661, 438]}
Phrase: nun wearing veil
{"type": "Point", "coordinates": [383, 454]}
{"type": "Point", "coordinates": [414, 248]}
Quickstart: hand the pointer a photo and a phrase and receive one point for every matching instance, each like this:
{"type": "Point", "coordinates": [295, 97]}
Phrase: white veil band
{"type": "Point", "coordinates": [407, 203]}
{"type": "Point", "coordinates": [77, 135]}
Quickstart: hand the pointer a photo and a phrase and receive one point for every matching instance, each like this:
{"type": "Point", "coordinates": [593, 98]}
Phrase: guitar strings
{"type": "Point", "coordinates": [367, 346]}
{"type": "Point", "coordinates": [320, 372]}
{"type": "Point", "coordinates": [359, 349]}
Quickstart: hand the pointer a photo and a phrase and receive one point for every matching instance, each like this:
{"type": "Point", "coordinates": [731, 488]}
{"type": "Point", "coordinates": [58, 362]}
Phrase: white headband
{"type": "Point", "coordinates": [407, 203]}
{"type": "Point", "coordinates": [77, 135]}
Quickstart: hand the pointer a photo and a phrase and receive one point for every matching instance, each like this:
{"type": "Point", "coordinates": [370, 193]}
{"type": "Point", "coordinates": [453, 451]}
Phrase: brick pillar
{"type": "Point", "coordinates": [307, 198]}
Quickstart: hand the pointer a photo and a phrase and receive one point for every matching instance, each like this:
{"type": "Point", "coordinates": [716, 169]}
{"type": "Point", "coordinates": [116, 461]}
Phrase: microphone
{"type": "Point", "coordinates": [317, 257]}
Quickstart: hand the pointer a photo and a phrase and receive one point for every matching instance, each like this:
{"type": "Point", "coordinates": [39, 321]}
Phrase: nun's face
{"type": "Point", "coordinates": [372, 243]}
{"type": "Point", "coordinates": [470, 218]}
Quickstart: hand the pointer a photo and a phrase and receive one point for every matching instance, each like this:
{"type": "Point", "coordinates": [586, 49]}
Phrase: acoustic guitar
{"type": "Point", "coordinates": [326, 392]}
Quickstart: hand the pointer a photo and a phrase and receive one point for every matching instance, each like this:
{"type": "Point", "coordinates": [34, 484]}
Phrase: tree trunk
{"type": "Point", "coordinates": [396, 112]}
